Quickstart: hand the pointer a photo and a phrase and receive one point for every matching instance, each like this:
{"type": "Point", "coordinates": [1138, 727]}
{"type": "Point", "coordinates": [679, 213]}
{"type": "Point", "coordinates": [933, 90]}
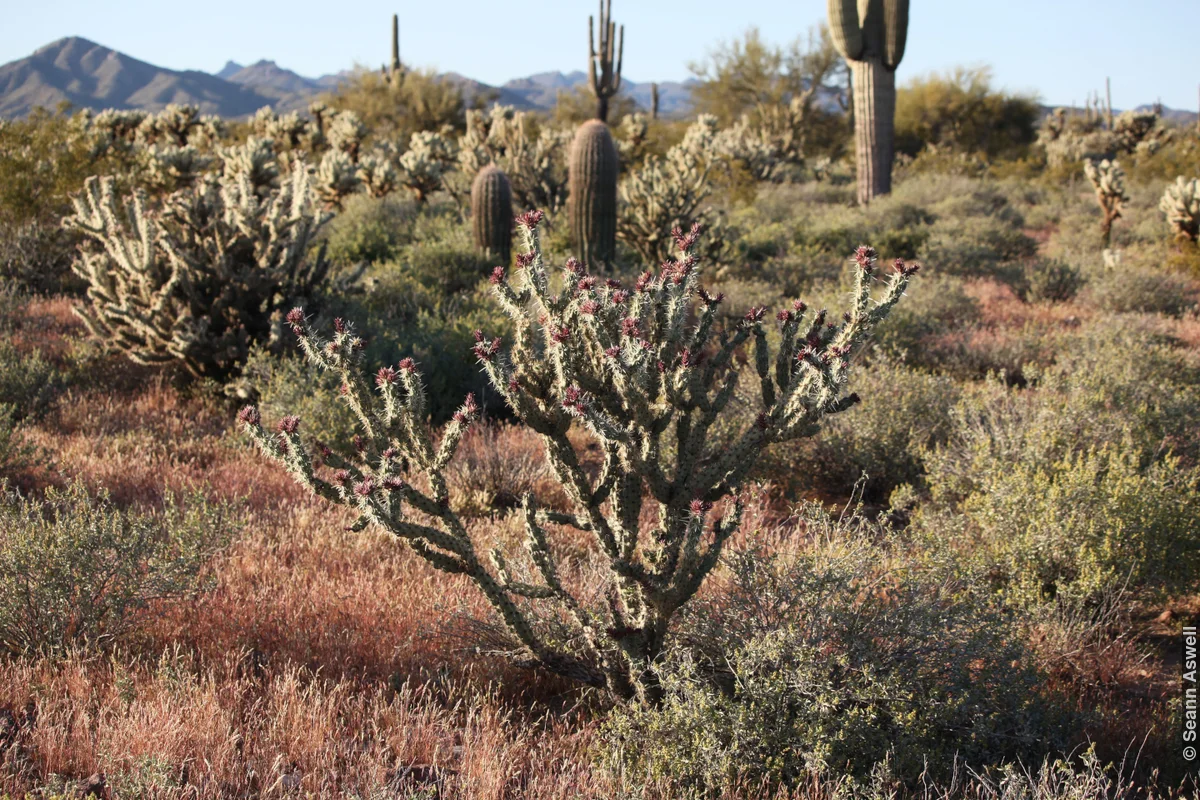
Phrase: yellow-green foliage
{"type": "Point", "coordinates": [959, 110]}
{"type": "Point", "coordinates": [76, 570]}
{"type": "Point", "coordinates": [422, 102]}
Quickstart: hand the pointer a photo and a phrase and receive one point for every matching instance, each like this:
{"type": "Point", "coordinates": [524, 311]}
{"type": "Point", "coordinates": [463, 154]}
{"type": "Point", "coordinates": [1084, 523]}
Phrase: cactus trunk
{"type": "Point", "coordinates": [492, 213]}
{"type": "Point", "coordinates": [874, 126]}
{"type": "Point", "coordinates": [593, 199]}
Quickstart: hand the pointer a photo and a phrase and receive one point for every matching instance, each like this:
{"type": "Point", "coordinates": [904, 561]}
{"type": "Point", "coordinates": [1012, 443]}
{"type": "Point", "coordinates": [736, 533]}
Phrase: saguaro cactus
{"type": "Point", "coordinates": [870, 35]}
{"type": "Point", "coordinates": [603, 79]}
{"type": "Point", "coordinates": [654, 101]}
{"type": "Point", "coordinates": [492, 212]}
{"type": "Point", "coordinates": [593, 193]}
{"type": "Point", "coordinates": [394, 73]}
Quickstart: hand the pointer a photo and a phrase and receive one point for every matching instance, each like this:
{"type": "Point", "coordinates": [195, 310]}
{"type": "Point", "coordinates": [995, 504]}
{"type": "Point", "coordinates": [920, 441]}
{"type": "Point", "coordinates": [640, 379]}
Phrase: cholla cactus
{"type": "Point", "coordinates": [1181, 203]}
{"type": "Point", "coordinates": [170, 167]}
{"type": "Point", "coordinates": [632, 141]}
{"type": "Point", "coordinates": [197, 282]}
{"type": "Point", "coordinates": [429, 157]}
{"type": "Point", "coordinates": [1108, 181]}
{"type": "Point", "coordinates": [337, 178]}
{"type": "Point", "coordinates": [288, 131]}
{"type": "Point", "coordinates": [649, 371]}
{"type": "Point", "coordinates": [174, 125]}
{"type": "Point", "coordinates": [378, 170]}
{"type": "Point", "coordinates": [345, 132]}
{"type": "Point", "coordinates": [669, 192]}
{"type": "Point", "coordinates": [1140, 132]}
{"type": "Point", "coordinates": [536, 167]}
{"type": "Point", "coordinates": [110, 131]}
{"type": "Point", "coordinates": [773, 136]}
{"type": "Point", "coordinates": [255, 161]}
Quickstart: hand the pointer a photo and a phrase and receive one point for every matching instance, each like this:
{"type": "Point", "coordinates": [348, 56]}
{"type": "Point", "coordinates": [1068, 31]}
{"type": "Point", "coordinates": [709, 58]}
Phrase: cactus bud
{"type": "Point", "coordinates": [385, 376]}
{"type": "Point", "coordinates": [530, 219]}
{"type": "Point", "coordinates": [249, 416]}
{"type": "Point", "coordinates": [289, 424]}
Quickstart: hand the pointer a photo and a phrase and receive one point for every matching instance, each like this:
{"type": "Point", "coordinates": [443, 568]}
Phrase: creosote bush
{"type": "Point", "coordinates": [74, 570]}
{"type": "Point", "coordinates": [638, 368]}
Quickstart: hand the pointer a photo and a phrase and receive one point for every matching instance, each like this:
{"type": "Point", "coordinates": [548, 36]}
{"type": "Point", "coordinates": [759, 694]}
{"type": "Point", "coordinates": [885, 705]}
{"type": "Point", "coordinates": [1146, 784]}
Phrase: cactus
{"type": "Point", "coordinates": [648, 375]}
{"type": "Point", "coordinates": [491, 213]}
{"type": "Point", "coordinates": [654, 101]}
{"type": "Point", "coordinates": [604, 75]}
{"type": "Point", "coordinates": [1108, 181]}
{"type": "Point", "coordinates": [196, 283]}
{"type": "Point", "coordinates": [870, 35]}
{"type": "Point", "coordinates": [255, 160]}
{"type": "Point", "coordinates": [536, 168]}
{"type": "Point", "coordinates": [337, 178]}
{"type": "Point", "coordinates": [1181, 203]}
{"type": "Point", "coordinates": [378, 170]}
{"type": "Point", "coordinates": [429, 157]}
{"type": "Point", "coordinates": [669, 192]}
{"type": "Point", "coordinates": [593, 194]}
{"type": "Point", "coordinates": [393, 74]}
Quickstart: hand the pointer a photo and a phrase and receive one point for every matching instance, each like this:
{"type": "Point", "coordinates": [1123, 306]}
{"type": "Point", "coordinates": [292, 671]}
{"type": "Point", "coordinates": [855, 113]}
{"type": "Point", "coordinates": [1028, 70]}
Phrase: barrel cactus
{"type": "Point", "coordinates": [492, 212]}
{"type": "Point", "coordinates": [593, 193]}
{"type": "Point", "coordinates": [870, 35]}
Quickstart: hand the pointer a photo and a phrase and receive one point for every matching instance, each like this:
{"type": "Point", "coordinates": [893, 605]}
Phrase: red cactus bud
{"type": "Point", "coordinates": [620, 296]}
{"type": "Point", "coordinates": [514, 385]}
{"type": "Point", "coordinates": [484, 350]}
{"type": "Point", "coordinates": [573, 266]}
{"type": "Point", "coordinates": [613, 352]}
{"type": "Point", "coordinates": [332, 349]}
{"type": "Point", "coordinates": [392, 483]}
{"type": "Point", "coordinates": [525, 259]}
{"type": "Point", "coordinates": [589, 307]}
{"type": "Point", "coordinates": [710, 300]}
{"type": "Point", "coordinates": [460, 418]}
{"type": "Point", "coordinates": [700, 507]}
{"type": "Point", "coordinates": [799, 306]}
{"type": "Point", "coordinates": [407, 365]}
{"type": "Point", "coordinates": [289, 424]}
{"type": "Point", "coordinates": [469, 405]}
{"type": "Point", "coordinates": [344, 389]}
{"type": "Point", "coordinates": [865, 257]}
{"type": "Point", "coordinates": [561, 335]}
{"type": "Point", "coordinates": [497, 276]}
{"type": "Point", "coordinates": [365, 488]}
{"type": "Point", "coordinates": [686, 241]}
{"type": "Point", "coordinates": [784, 315]}
{"type": "Point", "coordinates": [587, 283]}
{"type": "Point", "coordinates": [249, 416]}
{"type": "Point", "coordinates": [385, 376]}
{"type": "Point", "coordinates": [296, 316]}
{"type": "Point", "coordinates": [341, 477]}
{"type": "Point", "coordinates": [339, 325]}
{"type": "Point", "coordinates": [754, 315]}
{"type": "Point", "coordinates": [629, 326]}
{"type": "Point", "coordinates": [574, 400]}
{"type": "Point", "coordinates": [689, 360]}
{"type": "Point", "coordinates": [530, 219]}
{"type": "Point", "coordinates": [644, 281]}
{"type": "Point", "coordinates": [845, 316]}
{"type": "Point", "coordinates": [661, 366]}
{"type": "Point", "coordinates": [389, 453]}
{"type": "Point", "coordinates": [906, 270]}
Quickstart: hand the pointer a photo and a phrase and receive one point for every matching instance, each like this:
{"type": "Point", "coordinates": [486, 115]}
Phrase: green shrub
{"type": "Point", "coordinates": [975, 246]}
{"type": "Point", "coordinates": [370, 230]}
{"type": "Point", "coordinates": [832, 662]}
{"type": "Point", "coordinates": [938, 307]}
{"type": "Point", "coordinates": [74, 570]}
{"type": "Point", "coordinates": [1148, 291]}
{"type": "Point", "coordinates": [1051, 281]}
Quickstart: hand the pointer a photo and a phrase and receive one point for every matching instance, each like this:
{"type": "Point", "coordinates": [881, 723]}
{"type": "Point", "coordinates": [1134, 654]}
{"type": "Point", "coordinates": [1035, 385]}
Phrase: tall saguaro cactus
{"type": "Point", "coordinates": [603, 79]}
{"type": "Point", "coordinates": [870, 35]}
{"type": "Point", "coordinates": [394, 73]}
{"type": "Point", "coordinates": [492, 213]}
{"type": "Point", "coordinates": [593, 194]}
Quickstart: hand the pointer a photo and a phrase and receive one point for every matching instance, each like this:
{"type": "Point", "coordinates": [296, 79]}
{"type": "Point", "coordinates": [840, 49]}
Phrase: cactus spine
{"type": "Point", "coordinates": [593, 193]}
{"type": "Point", "coordinates": [870, 35]}
{"type": "Point", "coordinates": [603, 79]}
{"type": "Point", "coordinates": [492, 212]}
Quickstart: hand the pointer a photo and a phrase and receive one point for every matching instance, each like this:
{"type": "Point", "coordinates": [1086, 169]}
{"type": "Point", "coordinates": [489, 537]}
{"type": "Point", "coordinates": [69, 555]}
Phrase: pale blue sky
{"type": "Point", "coordinates": [1059, 48]}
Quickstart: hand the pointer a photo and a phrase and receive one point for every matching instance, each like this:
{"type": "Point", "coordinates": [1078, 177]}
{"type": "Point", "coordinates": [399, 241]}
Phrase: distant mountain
{"type": "Point", "coordinates": [230, 68]}
{"type": "Point", "coordinates": [89, 75]}
{"type": "Point", "coordinates": [541, 91]}
{"type": "Point", "coordinates": [268, 78]}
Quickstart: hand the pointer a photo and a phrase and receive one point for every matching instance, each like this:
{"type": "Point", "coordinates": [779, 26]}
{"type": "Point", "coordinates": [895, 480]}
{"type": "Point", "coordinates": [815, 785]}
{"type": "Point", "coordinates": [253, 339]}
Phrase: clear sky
{"type": "Point", "coordinates": [1060, 49]}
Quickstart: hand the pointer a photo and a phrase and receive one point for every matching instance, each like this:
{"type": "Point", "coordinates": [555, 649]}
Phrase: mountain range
{"type": "Point", "coordinates": [89, 75]}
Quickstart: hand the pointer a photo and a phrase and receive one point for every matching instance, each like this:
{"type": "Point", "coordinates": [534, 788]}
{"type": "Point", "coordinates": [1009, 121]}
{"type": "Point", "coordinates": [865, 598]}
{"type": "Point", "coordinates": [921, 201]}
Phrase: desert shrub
{"type": "Point", "coordinates": [1146, 291]}
{"type": "Point", "coordinates": [1051, 280]}
{"type": "Point", "coordinates": [1087, 478]}
{"type": "Point", "coordinates": [77, 570]}
{"type": "Point", "coordinates": [975, 246]}
{"type": "Point", "coordinates": [592, 353]}
{"type": "Point", "coordinates": [441, 256]}
{"type": "Point", "coordinates": [495, 467]}
{"type": "Point", "coordinates": [197, 283]}
{"type": "Point", "coordinates": [941, 306]}
{"type": "Point", "coordinates": [27, 381]}
{"type": "Point", "coordinates": [960, 111]}
{"type": "Point", "coordinates": [905, 413]}
{"type": "Point", "coordinates": [423, 101]}
{"type": "Point", "coordinates": [830, 662]}
{"type": "Point", "coordinates": [36, 255]}
{"type": "Point", "coordinates": [369, 230]}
